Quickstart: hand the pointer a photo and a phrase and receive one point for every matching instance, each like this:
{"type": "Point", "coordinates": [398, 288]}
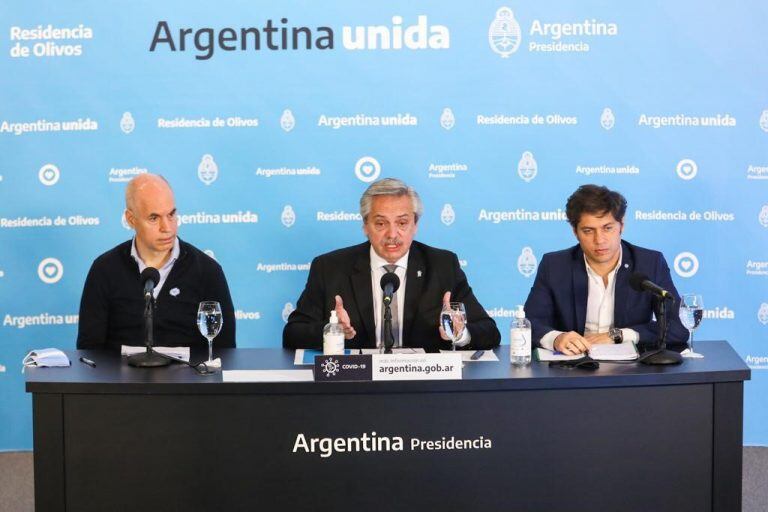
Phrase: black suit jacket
{"type": "Point", "coordinates": [558, 298]}
{"type": "Point", "coordinates": [347, 272]}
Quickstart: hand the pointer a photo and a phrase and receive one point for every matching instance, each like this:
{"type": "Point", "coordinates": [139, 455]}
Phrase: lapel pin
{"type": "Point", "coordinates": [174, 292]}
{"type": "Point", "coordinates": [626, 265]}
{"type": "Point", "coordinates": [418, 273]}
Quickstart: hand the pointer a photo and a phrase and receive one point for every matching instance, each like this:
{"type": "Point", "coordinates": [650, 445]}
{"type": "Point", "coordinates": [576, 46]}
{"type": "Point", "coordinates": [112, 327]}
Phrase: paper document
{"type": "Point", "coordinates": [604, 352]}
{"type": "Point", "coordinates": [693, 355]}
{"type": "Point", "coordinates": [267, 376]}
{"type": "Point", "coordinates": [177, 352]}
{"type": "Point", "coordinates": [614, 352]}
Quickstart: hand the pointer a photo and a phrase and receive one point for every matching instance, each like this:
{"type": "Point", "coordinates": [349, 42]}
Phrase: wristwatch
{"type": "Point", "coordinates": [616, 335]}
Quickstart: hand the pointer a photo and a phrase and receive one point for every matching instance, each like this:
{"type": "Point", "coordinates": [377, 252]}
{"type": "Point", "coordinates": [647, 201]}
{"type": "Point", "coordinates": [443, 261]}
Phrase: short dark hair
{"type": "Point", "coordinates": [595, 200]}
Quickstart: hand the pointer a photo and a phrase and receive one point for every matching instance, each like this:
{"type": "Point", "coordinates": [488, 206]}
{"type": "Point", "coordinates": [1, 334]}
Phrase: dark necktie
{"type": "Point", "coordinates": [395, 316]}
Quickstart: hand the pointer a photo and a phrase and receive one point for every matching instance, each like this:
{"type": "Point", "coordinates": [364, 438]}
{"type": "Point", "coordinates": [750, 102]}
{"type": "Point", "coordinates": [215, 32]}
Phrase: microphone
{"type": "Point", "coordinates": [640, 283]}
{"type": "Point", "coordinates": [149, 279]}
{"type": "Point", "coordinates": [389, 283]}
{"type": "Point", "coordinates": [660, 355]}
{"type": "Point", "coordinates": [149, 358]}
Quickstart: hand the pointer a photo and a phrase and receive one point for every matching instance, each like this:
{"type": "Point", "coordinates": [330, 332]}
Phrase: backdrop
{"type": "Point", "coordinates": [270, 119]}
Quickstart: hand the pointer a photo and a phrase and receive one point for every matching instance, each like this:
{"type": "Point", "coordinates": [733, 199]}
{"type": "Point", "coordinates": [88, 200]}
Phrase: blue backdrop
{"type": "Point", "coordinates": [270, 119]}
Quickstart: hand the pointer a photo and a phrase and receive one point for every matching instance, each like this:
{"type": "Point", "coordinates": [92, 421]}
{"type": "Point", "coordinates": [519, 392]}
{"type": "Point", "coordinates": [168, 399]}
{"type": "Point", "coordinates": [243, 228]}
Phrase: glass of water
{"type": "Point", "coordinates": [209, 321]}
{"type": "Point", "coordinates": [453, 319]}
{"type": "Point", "coordinates": [691, 313]}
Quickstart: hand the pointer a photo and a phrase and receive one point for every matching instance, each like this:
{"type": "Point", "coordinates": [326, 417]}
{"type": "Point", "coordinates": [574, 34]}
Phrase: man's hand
{"type": "Point", "coordinates": [598, 338]}
{"type": "Point", "coordinates": [572, 343]}
{"type": "Point", "coordinates": [343, 316]}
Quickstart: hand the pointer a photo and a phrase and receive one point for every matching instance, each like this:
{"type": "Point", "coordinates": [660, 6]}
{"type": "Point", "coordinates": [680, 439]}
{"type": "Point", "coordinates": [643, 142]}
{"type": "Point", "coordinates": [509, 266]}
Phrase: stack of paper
{"type": "Point", "coordinates": [614, 352]}
{"type": "Point", "coordinates": [607, 352]}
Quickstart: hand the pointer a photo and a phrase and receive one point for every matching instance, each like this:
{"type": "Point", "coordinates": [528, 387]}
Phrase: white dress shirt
{"type": "Point", "coordinates": [377, 272]}
{"type": "Point", "coordinates": [164, 271]}
{"type": "Point", "coordinates": [600, 307]}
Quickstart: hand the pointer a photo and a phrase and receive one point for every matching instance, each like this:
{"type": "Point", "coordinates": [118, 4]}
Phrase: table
{"type": "Point", "coordinates": [627, 437]}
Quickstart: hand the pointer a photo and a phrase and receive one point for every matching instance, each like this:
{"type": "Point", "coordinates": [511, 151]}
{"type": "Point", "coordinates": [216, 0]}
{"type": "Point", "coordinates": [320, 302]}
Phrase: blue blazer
{"type": "Point", "coordinates": [558, 297]}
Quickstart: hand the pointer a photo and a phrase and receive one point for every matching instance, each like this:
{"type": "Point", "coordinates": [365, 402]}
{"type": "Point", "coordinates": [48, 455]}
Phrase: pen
{"type": "Point", "coordinates": [477, 355]}
{"type": "Point", "coordinates": [88, 362]}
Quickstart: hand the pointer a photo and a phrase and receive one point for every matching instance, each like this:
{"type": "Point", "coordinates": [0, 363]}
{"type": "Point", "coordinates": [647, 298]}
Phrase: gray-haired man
{"type": "Point", "coordinates": [347, 280]}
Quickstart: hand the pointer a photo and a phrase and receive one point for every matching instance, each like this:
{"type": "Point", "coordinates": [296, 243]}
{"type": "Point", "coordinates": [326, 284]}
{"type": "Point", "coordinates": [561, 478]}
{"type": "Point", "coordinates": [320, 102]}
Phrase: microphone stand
{"type": "Point", "coordinates": [662, 356]}
{"type": "Point", "coordinates": [149, 358]}
{"type": "Point", "coordinates": [389, 338]}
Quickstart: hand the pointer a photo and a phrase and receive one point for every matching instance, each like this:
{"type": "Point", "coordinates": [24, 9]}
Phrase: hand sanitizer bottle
{"type": "Point", "coordinates": [520, 339]}
{"type": "Point", "coordinates": [333, 337]}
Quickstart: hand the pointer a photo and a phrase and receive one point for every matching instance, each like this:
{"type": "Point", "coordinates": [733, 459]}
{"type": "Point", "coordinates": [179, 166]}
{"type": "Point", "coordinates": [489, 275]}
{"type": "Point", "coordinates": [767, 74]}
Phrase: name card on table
{"type": "Point", "coordinates": [388, 367]}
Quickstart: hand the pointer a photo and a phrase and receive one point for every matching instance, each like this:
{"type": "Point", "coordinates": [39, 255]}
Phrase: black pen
{"type": "Point", "coordinates": [477, 355]}
{"type": "Point", "coordinates": [88, 362]}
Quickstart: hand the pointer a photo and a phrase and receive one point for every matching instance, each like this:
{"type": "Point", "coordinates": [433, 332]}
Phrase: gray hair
{"type": "Point", "coordinates": [390, 187]}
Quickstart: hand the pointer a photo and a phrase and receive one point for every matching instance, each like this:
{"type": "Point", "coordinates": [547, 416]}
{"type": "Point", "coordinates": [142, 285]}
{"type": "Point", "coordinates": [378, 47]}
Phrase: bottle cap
{"type": "Point", "coordinates": [520, 312]}
{"type": "Point", "coordinates": [334, 318]}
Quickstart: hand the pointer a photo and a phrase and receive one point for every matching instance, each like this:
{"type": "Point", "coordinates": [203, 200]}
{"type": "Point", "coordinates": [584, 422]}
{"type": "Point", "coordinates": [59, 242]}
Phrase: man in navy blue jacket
{"type": "Point", "coordinates": [581, 296]}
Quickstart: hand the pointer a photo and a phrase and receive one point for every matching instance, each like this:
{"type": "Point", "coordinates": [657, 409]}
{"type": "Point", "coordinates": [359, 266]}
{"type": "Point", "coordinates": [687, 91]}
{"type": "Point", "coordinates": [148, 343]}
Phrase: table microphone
{"type": "Point", "coordinates": [640, 283]}
{"type": "Point", "coordinates": [389, 283]}
{"type": "Point", "coordinates": [661, 355]}
{"type": "Point", "coordinates": [149, 279]}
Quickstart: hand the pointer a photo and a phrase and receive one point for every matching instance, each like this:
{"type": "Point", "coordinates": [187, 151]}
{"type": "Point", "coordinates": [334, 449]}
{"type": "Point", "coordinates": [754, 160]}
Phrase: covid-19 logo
{"type": "Point", "coordinates": [50, 271]}
{"type": "Point", "coordinates": [686, 264]}
{"type": "Point", "coordinates": [287, 121]}
{"type": "Point", "coordinates": [367, 169]}
{"type": "Point", "coordinates": [207, 170]}
{"type": "Point", "coordinates": [49, 175]}
{"type": "Point", "coordinates": [686, 169]}
{"type": "Point", "coordinates": [504, 33]}
{"type": "Point", "coordinates": [288, 217]}
{"type": "Point", "coordinates": [447, 215]}
{"type": "Point", "coordinates": [526, 262]}
{"type": "Point", "coordinates": [330, 367]}
{"type": "Point", "coordinates": [527, 167]}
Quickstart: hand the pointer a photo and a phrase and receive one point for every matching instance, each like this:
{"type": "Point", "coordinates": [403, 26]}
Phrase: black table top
{"type": "Point", "coordinates": [112, 375]}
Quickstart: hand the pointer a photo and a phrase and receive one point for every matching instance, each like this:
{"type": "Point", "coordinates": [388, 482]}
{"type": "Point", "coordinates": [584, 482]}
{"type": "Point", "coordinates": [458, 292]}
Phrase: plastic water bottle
{"type": "Point", "coordinates": [520, 339]}
{"type": "Point", "coordinates": [333, 336]}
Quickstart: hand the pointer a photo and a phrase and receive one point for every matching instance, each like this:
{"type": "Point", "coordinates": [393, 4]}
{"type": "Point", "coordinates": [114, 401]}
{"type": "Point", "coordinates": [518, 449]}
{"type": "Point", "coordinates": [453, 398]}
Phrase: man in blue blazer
{"type": "Point", "coordinates": [581, 296]}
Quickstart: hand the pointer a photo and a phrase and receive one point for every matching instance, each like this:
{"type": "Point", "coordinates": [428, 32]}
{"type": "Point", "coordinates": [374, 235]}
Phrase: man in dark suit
{"type": "Point", "coordinates": [347, 281]}
{"type": "Point", "coordinates": [581, 296]}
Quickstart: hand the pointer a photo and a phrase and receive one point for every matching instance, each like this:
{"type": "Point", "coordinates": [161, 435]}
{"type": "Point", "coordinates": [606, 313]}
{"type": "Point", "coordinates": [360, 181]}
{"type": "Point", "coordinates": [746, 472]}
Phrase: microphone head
{"type": "Point", "coordinates": [392, 279]}
{"type": "Point", "coordinates": [150, 273]}
{"type": "Point", "coordinates": [636, 281]}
